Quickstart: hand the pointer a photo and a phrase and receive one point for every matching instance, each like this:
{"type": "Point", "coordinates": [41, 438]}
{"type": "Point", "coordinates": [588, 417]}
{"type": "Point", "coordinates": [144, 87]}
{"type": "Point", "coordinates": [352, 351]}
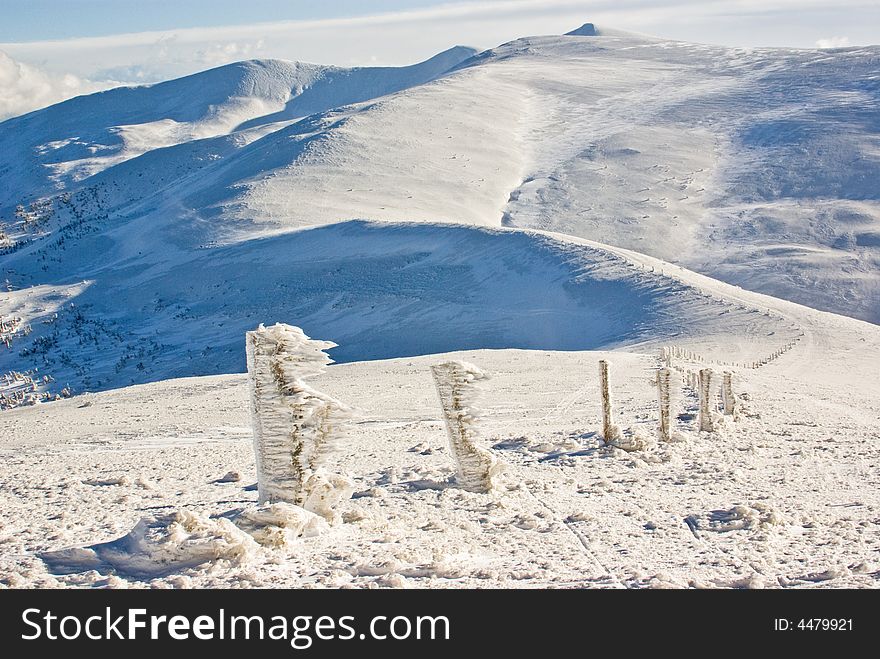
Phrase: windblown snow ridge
{"type": "Point", "coordinates": [379, 290]}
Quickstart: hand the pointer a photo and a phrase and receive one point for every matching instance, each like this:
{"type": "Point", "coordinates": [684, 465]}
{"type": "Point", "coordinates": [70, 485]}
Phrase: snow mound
{"type": "Point", "coordinates": [738, 518]}
{"type": "Point", "coordinates": [325, 490]}
{"type": "Point", "coordinates": [160, 545]}
{"type": "Point", "coordinates": [166, 544]}
{"type": "Point", "coordinates": [585, 30]}
{"type": "Point", "coordinates": [632, 440]}
{"type": "Point", "coordinates": [279, 524]}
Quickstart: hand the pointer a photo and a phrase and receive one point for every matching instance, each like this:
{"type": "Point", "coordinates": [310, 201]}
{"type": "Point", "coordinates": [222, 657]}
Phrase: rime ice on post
{"type": "Point", "coordinates": [705, 400]}
{"type": "Point", "coordinates": [664, 376]}
{"type": "Point", "coordinates": [476, 467]}
{"type": "Point", "coordinates": [728, 400]}
{"type": "Point", "coordinates": [610, 432]}
{"type": "Point", "coordinates": [295, 426]}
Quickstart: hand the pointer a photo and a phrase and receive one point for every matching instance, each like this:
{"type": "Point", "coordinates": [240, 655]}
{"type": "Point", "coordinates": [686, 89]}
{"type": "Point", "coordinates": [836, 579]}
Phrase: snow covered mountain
{"type": "Point", "coordinates": [76, 139]}
{"type": "Point", "coordinates": [159, 223]}
{"type": "Point", "coordinates": [540, 206]}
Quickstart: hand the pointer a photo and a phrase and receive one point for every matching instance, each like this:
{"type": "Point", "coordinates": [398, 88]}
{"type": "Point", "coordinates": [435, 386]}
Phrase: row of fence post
{"type": "Point", "coordinates": [701, 382]}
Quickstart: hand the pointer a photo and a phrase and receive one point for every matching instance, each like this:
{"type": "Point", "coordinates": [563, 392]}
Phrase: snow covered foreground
{"type": "Point", "coordinates": [787, 495]}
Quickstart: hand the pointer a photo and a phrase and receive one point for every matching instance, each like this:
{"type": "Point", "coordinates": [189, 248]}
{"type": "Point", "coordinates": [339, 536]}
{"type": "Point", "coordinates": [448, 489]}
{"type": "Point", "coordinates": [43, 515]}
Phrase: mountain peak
{"type": "Point", "coordinates": [585, 30]}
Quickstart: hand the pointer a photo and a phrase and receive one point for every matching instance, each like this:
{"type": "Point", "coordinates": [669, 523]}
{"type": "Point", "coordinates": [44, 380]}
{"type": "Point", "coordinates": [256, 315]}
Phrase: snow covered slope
{"type": "Point", "coordinates": [166, 245]}
{"type": "Point", "coordinates": [52, 148]}
{"type": "Point", "coordinates": [757, 167]}
{"type": "Point", "coordinates": [525, 205]}
{"type": "Point", "coordinates": [753, 166]}
{"type": "Point", "coordinates": [379, 290]}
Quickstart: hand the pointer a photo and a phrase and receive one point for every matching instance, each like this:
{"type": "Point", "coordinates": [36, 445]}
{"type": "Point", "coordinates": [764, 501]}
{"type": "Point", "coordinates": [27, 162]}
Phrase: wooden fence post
{"type": "Point", "coordinates": [705, 398]}
{"type": "Point", "coordinates": [295, 426]}
{"type": "Point", "coordinates": [728, 400]}
{"type": "Point", "coordinates": [664, 375]}
{"type": "Point", "coordinates": [610, 432]}
{"type": "Point", "coordinates": [476, 467]}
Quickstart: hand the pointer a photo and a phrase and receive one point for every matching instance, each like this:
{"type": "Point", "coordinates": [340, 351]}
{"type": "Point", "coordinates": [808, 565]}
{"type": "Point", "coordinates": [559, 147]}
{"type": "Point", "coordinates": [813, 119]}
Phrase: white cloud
{"type": "Point", "coordinates": [24, 88]}
{"type": "Point", "coordinates": [220, 53]}
{"type": "Point", "coordinates": [833, 42]}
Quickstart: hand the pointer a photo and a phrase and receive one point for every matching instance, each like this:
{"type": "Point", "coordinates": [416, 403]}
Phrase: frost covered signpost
{"type": "Point", "coordinates": [476, 467]}
{"type": "Point", "coordinates": [295, 426]}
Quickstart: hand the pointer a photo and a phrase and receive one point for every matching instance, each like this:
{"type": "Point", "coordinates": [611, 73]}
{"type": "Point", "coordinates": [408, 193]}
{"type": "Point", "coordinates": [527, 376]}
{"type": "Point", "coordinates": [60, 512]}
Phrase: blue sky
{"type": "Point", "coordinates": [54, 49]}
{"type": "Point", "coordinates": [793, 22]}
{"type": "Point", "coordinates": [35, 20]}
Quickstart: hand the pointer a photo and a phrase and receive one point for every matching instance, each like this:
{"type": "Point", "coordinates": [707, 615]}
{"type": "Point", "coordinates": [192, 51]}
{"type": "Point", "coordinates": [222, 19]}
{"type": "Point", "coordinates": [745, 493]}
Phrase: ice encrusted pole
{"type": "Point", "coordinates": [610, 432]}
{"type": "Point", "coordinates": [476, 467]}
{"type": "Point", "coordinates": [706, 424]}
{"type": "Point", "coordinates": [728, 399]}
{"type": "Point", "coordinates": [295, 426]}
{"type": "Point", "coordinates": [664, 377]}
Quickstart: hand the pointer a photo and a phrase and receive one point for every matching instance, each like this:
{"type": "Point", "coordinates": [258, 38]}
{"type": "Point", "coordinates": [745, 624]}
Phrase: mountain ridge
{"type": "Point", "coordinates": [220, 101]}
{"type": "Point", "coordinates": [661, 148]}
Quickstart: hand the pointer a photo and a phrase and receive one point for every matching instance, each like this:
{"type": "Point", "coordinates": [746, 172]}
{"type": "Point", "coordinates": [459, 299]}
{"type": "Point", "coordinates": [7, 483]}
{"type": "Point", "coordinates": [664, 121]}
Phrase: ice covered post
{"type": "Point", "coordinates": [705, 400]}
{"type": "Point", "coordinates": [728, 400]}
{"type": "Point", "coordinates": [610, 432]}
{"type": "Point", "coordinates": [458, 388]}
{"type": "Point", "coordinates": [664, 376]}
{"type": "Point", "coordinates": [295, 427]}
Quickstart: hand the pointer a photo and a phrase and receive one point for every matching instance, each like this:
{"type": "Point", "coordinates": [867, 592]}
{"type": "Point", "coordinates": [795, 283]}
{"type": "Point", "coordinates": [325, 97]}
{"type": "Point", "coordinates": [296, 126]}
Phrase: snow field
{"type": "Point", "coordinates": [782, 497]}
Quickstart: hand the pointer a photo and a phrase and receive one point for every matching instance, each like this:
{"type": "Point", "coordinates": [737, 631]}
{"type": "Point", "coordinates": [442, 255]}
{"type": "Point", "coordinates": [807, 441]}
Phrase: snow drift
{"type": "Point", "coordinates": [182, 540]}
{"type": "Point", "coordinates": [160, 545]}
